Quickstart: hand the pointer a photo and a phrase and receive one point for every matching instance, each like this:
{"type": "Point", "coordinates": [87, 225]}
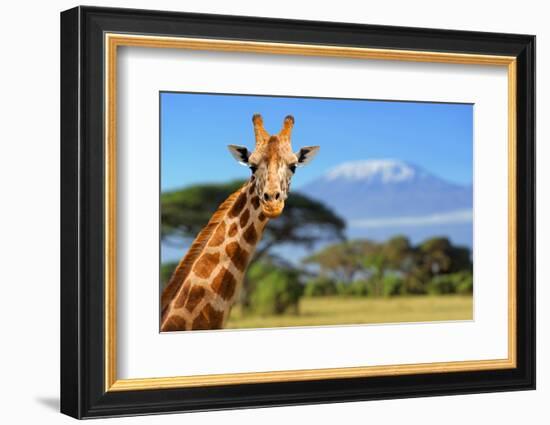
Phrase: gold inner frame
{"type": "Point", "coordinates": [113, 41]}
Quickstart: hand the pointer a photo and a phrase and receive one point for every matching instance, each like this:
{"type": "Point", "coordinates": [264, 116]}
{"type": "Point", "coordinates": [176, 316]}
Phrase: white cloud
{"type": "Point", "coordinates": [452, 217]}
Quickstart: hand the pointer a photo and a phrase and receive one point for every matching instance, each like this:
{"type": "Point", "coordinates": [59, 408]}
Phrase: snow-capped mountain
{"type": "Point", "coordinates": [381, 198]}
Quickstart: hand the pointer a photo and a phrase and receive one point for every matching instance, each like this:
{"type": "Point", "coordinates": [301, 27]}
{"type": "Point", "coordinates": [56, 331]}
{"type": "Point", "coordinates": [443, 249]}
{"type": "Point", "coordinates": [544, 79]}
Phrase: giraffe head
{"type": "Point", "coordinates": [273, 163]}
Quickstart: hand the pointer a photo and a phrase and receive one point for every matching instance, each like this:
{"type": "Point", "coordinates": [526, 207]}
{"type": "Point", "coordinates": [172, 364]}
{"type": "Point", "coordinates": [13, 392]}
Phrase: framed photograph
{"type": "Point", "coordinates": [261, 212]}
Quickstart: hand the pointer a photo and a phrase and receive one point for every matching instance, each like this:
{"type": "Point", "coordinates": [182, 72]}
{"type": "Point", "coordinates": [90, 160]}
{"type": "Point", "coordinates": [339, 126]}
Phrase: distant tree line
{"type": "Point", "coordinates": [394, 267]}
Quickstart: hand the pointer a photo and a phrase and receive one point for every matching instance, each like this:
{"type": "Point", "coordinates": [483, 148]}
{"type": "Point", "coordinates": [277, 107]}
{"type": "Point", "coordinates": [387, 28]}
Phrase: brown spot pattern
{"type": "Point", "coordinates": [251, 188]}
{"type": "Point", "coordinates": [262, 216]}
{"type": "Point", "coordinates": [200, 323]}
{"type": "Point", "coordinates": [233, 230]}
{"type": "Point", "coordinates": [215, 317]}
{"type": "Point", "coordinates": [238, 255]}
{"type": "Point", "coordinates": [195, 296]}
{"type": "Point", "coordinates": [186, 264]}
{"type": "Point", "coordinates": [174, 323]}
{"type": "Point", "coordinates": [209, 318]}
{"type": "Point", "coordinates": [244, 218]}
{"type": "Point", "coordinates": [238, 205]}
{"type": "Point", "coordinates": [183, 296]}
{"type": "Point", "coordinates": [205, 264]}
{"type": "Point", "coordinates": [163, 313]}
{"type": "Point", "coordinates": [224, 284]}
{"type": "Point", "coordinates": [250, 235]}
{"type": "Point", "coordinates": [218, 236]}
{"type": "Point", "coordinates": [255, 202]}
{"type": "Point", "coordinates": [169, 292]}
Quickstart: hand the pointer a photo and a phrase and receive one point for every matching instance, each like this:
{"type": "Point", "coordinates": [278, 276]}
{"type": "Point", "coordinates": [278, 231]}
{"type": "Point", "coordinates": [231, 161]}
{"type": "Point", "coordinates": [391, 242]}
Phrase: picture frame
{"type": "Point", "coordinates": [91, 37]}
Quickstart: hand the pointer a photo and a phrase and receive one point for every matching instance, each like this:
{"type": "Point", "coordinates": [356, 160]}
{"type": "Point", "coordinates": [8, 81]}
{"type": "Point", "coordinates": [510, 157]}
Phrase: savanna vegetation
{"type": "Point", "coordinates": [346, 281]}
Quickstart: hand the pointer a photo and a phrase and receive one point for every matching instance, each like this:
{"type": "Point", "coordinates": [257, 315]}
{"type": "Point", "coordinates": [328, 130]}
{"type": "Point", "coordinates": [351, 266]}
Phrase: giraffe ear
{"type": "Point", "coordinates": [306, 154]}
{"type": "Point", "coordinates": [240, 153]}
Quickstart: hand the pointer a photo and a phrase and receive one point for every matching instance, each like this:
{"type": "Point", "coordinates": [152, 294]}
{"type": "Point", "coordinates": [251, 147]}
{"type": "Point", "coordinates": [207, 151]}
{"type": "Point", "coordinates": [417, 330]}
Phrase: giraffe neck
{"type": "Point", "coordinates": [205, 284]}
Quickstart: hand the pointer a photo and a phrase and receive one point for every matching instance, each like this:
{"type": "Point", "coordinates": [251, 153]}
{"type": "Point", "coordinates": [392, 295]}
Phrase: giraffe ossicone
{"type": "Point", "coordinates": [206, 282]}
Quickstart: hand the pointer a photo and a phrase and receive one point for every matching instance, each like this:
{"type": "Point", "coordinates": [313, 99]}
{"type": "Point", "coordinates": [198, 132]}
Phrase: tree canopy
{"type": "Point", "coordinates": [344, 259]}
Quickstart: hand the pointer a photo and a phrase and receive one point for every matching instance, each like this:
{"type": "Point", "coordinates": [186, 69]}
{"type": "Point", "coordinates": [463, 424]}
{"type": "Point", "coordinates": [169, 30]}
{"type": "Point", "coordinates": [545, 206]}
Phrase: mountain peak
{"type": "Point", "coordinates": [379, 198]}
{"type": "Point", "coordinates": [375, 170]}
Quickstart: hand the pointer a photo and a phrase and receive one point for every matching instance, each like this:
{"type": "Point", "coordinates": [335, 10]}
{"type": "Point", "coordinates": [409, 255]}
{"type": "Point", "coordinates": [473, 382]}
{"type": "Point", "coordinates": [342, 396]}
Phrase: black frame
{"type": "Point", "coordinates": [82, 216]}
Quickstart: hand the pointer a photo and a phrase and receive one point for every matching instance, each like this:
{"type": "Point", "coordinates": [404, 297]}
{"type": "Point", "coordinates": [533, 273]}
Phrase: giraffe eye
{"type": "Point", "coordinates": [253, 168]}
{"type": "Point", "coordinates": [292, 167]}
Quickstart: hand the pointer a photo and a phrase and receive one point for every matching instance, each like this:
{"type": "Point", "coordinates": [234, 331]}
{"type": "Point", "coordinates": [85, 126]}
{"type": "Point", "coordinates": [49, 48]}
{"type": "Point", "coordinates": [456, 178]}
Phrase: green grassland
{"type": "Point", "coordinates": [337, 310]}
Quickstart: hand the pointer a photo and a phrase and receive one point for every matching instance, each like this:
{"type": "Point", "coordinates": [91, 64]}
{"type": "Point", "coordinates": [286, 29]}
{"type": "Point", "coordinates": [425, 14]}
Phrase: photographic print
{"type": "Point", "coordinates": [314, 195]}
{"type": "Point", "coordinates": [293, 211]}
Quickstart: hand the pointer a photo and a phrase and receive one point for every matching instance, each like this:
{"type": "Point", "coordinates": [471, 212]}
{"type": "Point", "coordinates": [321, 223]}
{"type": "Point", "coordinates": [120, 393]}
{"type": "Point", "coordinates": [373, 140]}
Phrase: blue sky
{"type": "Point", "coordinates": [196, 128]}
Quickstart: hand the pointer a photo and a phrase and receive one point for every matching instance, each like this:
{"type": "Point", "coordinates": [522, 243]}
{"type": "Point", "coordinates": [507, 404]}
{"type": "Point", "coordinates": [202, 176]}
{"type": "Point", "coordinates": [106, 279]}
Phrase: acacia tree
{"type": "Point", "coordinates": [345, 259]}
{"type": "Point", "coordinates": [184, 212]}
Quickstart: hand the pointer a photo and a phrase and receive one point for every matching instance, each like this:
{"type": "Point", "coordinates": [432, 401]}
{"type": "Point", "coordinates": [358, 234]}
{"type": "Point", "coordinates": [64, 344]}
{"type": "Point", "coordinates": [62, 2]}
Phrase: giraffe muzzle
{"type": "Point", "coordinates": [273, 208]}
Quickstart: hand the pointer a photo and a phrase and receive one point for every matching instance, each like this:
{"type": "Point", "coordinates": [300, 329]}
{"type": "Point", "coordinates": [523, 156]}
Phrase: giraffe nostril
{"type": "Point", "coordinates": [266, 196]}
{"type": "Point", "coordinates": [277, 195]}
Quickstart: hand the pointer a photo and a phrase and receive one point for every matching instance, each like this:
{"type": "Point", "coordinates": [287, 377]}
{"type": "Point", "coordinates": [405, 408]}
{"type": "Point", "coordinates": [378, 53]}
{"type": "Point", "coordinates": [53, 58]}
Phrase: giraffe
{"type": "Point", "coordinates": [206, 282]}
